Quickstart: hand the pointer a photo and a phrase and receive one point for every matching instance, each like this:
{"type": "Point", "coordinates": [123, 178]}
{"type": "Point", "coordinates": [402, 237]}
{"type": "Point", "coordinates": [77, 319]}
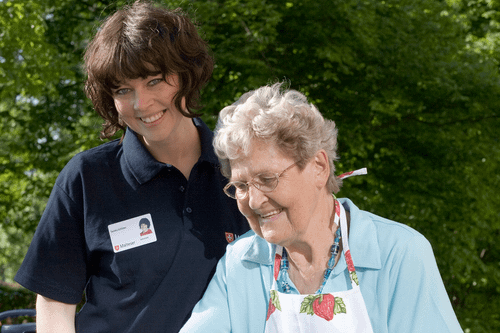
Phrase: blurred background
{"type": "Point", "coordinates": [413, 86]}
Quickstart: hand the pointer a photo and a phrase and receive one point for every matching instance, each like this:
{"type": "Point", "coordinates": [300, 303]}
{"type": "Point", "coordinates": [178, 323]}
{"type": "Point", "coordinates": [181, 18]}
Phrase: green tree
{"type": "Point", "coordinates": [45, 119]}
{"type": "Point", "coordinates": [412, 85]}
{"type": "Point", "coordinates": [415, 99]}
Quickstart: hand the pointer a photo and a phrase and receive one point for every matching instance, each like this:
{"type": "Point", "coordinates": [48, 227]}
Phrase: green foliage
{"type": "Point", "coordinates": [412, 85]}
{"type": "Point", "coordinates": [239, 32]}
{"type": "Point", "coordinates": [12, 297]}
{"type": "Point", "coordinates": [26, 55]}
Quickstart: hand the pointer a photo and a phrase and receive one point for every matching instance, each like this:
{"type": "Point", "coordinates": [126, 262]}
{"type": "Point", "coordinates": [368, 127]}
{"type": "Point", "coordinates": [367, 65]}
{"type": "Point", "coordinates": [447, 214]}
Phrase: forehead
{"type": "Point", "coordinates": [263, 156]}
{"type": "Point", "coordinates": [124, 74]}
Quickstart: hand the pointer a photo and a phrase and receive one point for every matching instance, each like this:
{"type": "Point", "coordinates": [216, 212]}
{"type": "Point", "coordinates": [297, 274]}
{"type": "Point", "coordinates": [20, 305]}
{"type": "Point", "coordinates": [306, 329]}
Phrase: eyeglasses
{"type": "Point", "coordinates": [264, 182]}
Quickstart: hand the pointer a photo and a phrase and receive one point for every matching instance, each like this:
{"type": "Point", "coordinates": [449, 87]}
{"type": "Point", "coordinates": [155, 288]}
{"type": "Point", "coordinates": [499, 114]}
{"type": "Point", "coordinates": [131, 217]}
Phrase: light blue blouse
{"type": "Point", "coordinates": [398, 276]}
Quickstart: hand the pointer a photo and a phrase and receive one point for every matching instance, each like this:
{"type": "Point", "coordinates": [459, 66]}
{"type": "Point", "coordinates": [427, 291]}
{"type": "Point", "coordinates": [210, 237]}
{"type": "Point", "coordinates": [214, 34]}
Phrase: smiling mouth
{"type": "Point", "coordinates": [271, 216]}
{"type": "Point", "coordinates": [154, 117]}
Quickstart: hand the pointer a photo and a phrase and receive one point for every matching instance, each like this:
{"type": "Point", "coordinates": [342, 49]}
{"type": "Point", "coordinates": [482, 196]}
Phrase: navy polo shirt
{"type": "Point", "coordinates": [150, 287]}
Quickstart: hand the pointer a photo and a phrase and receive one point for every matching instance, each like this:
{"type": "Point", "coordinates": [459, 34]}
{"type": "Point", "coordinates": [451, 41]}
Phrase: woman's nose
{"type": "Point", "coordinates": [255, 197]}
{"type": "Point", "coordinates": [142, 100]}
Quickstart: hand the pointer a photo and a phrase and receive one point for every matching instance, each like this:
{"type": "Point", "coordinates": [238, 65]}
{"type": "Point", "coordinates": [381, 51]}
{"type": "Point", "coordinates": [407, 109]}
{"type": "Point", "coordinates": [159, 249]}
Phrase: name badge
{"type": "Point", "coordinates": [131, 233]}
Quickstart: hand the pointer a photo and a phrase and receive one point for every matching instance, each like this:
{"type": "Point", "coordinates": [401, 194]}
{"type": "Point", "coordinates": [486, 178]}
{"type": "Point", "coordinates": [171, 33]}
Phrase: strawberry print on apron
{"type": "Point", "coordinates": [342, 311]}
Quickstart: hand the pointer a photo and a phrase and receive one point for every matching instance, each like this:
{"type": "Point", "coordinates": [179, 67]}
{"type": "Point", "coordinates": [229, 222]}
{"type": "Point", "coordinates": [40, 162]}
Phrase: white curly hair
{"type": "Point", "coordinates": [277, 115]}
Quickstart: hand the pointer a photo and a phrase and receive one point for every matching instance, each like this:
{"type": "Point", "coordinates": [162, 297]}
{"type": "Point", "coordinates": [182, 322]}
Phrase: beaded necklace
{"type": "Point", "coordinates": [284, 265]}
{"type": "Point", "coordinates": [334, 250]}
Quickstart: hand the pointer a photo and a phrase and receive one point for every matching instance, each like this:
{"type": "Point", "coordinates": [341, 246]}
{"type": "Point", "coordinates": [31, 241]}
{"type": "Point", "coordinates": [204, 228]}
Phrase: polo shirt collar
{"type": "Point", "coordinates": [259, 251]}
{"type": "Point", "coordinates": [145, 167]}
{"type": "Point", "coordinates": [363, 242]}
{"type": "Point", "coordinates": [206, 138]}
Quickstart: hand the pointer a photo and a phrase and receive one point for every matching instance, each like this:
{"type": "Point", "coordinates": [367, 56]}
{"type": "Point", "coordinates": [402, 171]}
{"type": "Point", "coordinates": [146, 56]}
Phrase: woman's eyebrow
{"type": "Point", "coordinates": [153, 74]}
{"type": "Point", "coordinates": [262, 171]}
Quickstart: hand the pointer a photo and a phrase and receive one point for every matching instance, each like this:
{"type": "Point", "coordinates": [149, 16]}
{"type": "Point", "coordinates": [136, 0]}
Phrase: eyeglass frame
{"type": "Point", "coordinates": [256, 184]}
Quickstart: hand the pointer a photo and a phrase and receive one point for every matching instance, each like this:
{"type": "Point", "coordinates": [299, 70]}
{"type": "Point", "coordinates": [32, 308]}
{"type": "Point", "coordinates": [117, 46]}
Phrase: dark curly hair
{"type": "Point", "coordinates": [136, 39]}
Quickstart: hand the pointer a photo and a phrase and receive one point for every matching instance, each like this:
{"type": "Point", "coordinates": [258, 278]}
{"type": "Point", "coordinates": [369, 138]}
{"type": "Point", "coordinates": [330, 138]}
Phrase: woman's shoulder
{"type": "Point", "coordinates": [382, 225]}
{"type": "Point", "coordinates": [389, 227]}
{"type": "Point", "coordinates": [95, 156]}
{"type": "Point", "coordinates": [91, 161]}
{"type": "Point", "coordinates": [401, 241]}
{"type": "Point", "coordinates": [389, 236]}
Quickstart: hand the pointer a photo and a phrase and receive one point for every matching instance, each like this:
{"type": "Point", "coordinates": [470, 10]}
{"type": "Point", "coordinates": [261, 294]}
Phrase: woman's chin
{"type": "Point", "coordinates": [272, 237]}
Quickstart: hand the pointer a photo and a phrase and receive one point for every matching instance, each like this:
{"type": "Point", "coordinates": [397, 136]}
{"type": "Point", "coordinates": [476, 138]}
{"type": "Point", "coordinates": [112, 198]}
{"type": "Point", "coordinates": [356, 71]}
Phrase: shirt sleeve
{"type": "Point", "coordinates": [55, 264]}
{"type": "Point", "coordinates": [211, 314]}
{"type": "Point", "coordinates": [419, 302]}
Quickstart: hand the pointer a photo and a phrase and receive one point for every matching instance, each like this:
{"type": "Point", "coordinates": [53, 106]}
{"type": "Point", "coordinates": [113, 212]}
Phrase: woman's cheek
{"type": "Point", "coordinates": [251, 217]}
{"type": "Point", "coordinates": [254, 224]}
{"type": "Point", "coordinates": [244, 208]}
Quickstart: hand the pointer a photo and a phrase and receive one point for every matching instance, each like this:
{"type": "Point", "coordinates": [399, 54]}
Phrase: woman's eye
{"type": "Point", "coordinates": [266, 179]}
{"type": "Point", "coordinates": [154, 82]}
{"type": "Point", "coordinates": [121, 91]}
{"type": "Point", "coordinates": [240, 186]}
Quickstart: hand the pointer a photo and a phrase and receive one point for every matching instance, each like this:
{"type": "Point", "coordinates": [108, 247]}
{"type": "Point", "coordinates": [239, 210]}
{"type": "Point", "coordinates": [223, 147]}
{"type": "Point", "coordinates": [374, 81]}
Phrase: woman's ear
{"type": "Point", "coordinates": [321, 168]}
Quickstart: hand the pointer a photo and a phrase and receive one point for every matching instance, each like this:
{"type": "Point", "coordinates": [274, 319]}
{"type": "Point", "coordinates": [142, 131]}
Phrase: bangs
{"type": "Point", "coordinates": [117, 62]}
{"type": "Point", "coordinates": [129, 67]}
{"type": "Point", "coordinates": [126, 65]}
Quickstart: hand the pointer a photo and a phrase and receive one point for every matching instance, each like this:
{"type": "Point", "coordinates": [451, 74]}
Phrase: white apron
{"type": "Point", "coordinates": [342, 311]}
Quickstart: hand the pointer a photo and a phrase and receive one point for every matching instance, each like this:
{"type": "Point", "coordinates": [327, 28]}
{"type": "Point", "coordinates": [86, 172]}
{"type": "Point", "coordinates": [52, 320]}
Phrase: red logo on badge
{"type": "Point", "coordinates": [229, 237]}
{"type": "Point", "coordinates": [117, 247]}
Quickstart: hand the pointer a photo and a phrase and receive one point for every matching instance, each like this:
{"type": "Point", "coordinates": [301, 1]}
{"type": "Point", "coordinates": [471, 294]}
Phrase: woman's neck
{"type": "Point", "coordinates": [181, 150]}
{"type": "Point", "coordinates": [309, 257]}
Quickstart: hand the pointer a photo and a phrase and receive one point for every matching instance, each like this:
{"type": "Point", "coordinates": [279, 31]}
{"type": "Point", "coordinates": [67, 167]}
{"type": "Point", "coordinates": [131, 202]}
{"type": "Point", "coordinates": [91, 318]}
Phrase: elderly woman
{"type": "Point", "coordinates": [312, 263]}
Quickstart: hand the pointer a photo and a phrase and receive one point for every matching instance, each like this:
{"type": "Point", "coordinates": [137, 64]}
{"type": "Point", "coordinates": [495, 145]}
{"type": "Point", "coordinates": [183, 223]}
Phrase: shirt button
{"type": "Point", "coordinates": [181, 188]}
{"type": "Point", "coordinates": [189, 210]}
